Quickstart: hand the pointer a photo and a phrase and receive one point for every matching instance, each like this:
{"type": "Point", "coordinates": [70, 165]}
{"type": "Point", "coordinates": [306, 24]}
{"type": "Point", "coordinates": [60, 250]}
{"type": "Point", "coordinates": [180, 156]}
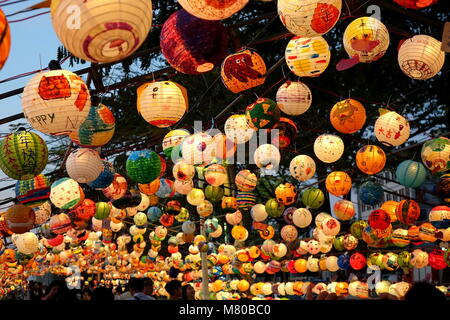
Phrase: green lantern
{"type": "Point", "coordinates": [313, 198]}
{"type": "Point", "coordinates": [143, 166]}
{"type": "Point", "coordinates": [274, 208]}
{"type": "Point", "coordinates": [338, 243]}
{"type": "Point", "coordinates": [213, 193]}
{"type": "Point", "coordinates": [102, 210]}
{"type": "Point", "coordinates": [23, 155]}
{"type": "Point", "coordinates": [263, 114]}
{"type": "Point", "coordinates": [403, 260]}
{"type": "Point", "coordinates": [356, 229]}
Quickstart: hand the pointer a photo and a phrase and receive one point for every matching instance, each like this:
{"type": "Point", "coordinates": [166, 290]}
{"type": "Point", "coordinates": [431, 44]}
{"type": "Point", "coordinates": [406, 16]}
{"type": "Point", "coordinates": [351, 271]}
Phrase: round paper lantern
{"type": "Point", "coordinates": [150, 188]}
{"type": "Point", "coordinates": [427, 232]}
{"type": "Point", "coordinates": [234, 218]}
{"type": "Point", "coordinates": [370, 193]}
{"type": "Point", "coordinates": [105, 178]}
{"type": "Point", "coordinates": [56, 102]}
{"type": "Point", "coordinates": [66, 193]}
{"type": "Point", "coordinates": [357, 261]}
{"type": "Point", "coordinates": [379, 219]}
{"type": "Point", "coordinates": [286, 194]}
{"type": "Point", "coordinates": [313, 198]}
{"type": "Point", "coordinates": [262, 114]}
{"type": "Point", "coordinates": [408, 211]}
{"type": "Point", "coordinates": [84, 165]}
{"type": "Point", "coordinates": [440, 216]}
{"type": "Point", "coordinates": [103, 31]}
{"type": "Point", "coordinates": [310, 18]}
{"type": "Point", "coordinates": [302, 167]}
{"type": "Point", "coordinates": [172, 140]}
{"type": "Point", "coordinates": [239, 233]}
{"type": "Point", "coordinates": [366, 38]}
{"type": "Point", "coordinates": [102, 210]}
{"type": "Point", "coordinates": [193, 52]}
{"type": "Point", "coordinates": [331, 226]}
{"type": "Point", "coordinates": [19, 218]}
{"type": "Point", "coordinates": [370, 159]}
{"type": "Point", "coordinates": [33, 192]}
{"type": "Point", "coordinates": [302, 217]}
{"type": "Point", "coordinates": [443, 187]}
{"type": "Point", "coordinates": [289, 233]}
{"type": "Point", "coordinates": [415, 4]}
{"type": "Point", "coordinates": [143, 166]}
{"type": "Point", "coordinates": [390, 207]}
{"type": "Point", "coordinates": [411, 173]}
{"type": "Point", "coordinates": [213, 10]}
{"type": "Point", "coordinates": [86, 210]}
{"type": "Point", "coordinates": [245, 180]}
{"type": "Point", "coordinates": [195, 197]}
{"type": "Point", "coordinates": [328, 148]}
{"type": "Point", "coordinates": [348, 116]}
{"type": "Point", "coordinates": [436, 259]}
{"type": "Point", "coordinates": [205, 208]}
{"type": "Point", "coordinates": [246, 200]}
{"type": "Point", "coordinates": [400, 238]}
{"type": "Point", "coordinates": [421, 57]}
{"type": "Point", "coordinates": [214, 194]}
{"type": "Point", "coordinates": [117, 188]}
{"type": "Point", "coordinates": [43, 213]}
{"type": "Point", "coordinates": [258, 213]}
{"type": "Point", "coordinates": [338, 183]}
{"type": "Point", "coordinates": [27, 243]}
{"type": "Point", "coordinates": [5, 41]}
{"type": "Point", "coordinates": [391, 129]}
{"type": "Point", "coordinates": [183, 171]}
{"type": "Point", "coordinates": [224, 148]}
{"type": "Point", "coordinates": [229, 204]}
{"type": "Point", "coordinates": [419, 259]}
{"type": "Point", "coordinates": [198, 149]}
{"type": "Point", "coordinates": [344, 210]}
{"type": "Point", "coordinates": [23, 155]}
{"type": "Point", "coordinates": [216, 175]}
{"type": "Point", "coordinates": [243, 70]}
{"type": "Point", "coordinates": [350, 242]}
{"type": "Point", "coordinates": [162, 103]}
{"type": "Point", "coordinates": [60, 223]}
{"type": "Point", "coordinates": [267, 157]}
{"type": "Point", "coordinates": [165, 189]}
{"type": "Point", "coordinates": [332, 263]}
{"type": "Point", "coordinates": [183, 187]}
{"type": "Point", "coordinates": [274, 208]}
{"type": "Point", "coordinates": [237, 129]}
{"type": "Point", "coordinates": [294, 98]}
{"type": "Point", "coordinates": [307, 57]}
{"type": "Point", "coordinates": [154, 213]}
{"type": "Point", "coordinates": [436, 154]}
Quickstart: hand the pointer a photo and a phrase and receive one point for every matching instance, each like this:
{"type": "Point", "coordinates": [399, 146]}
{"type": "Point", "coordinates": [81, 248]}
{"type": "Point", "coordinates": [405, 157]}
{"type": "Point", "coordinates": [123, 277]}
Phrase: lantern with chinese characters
{"type": "Point", "coordinates": [309, 18]}
{"type": "Point", "coordinates": [370, 159]}
{"type": "Point", "coordinates": [66, 193]}
{"type": "Point", "coordinates": [84, 165]}
{"type": "Point", "coordinates": [23, 155]}
{"type": "Point", "coordinates": [391, 129]}
{"type": "Point", "coordinates": [379, 219]}
{"type": "Point", "coordinates": [366, 39]}
{"type": "Point", "coordinates": [390, 207]}
{"type": "Point", "coordinates": [267, 157]}
{"type": "Point", "coordinates": [421, 57]}
{"type": "Point", "coordinates": [237, 129]}
{"type": "Point", "coordinates": [212, 9]}
{"type": "Point", "coordinates": [104, 31]}
{"type": "Point", "coordinates": [328, 148]}
{"type": "Point", "coordinates": [117, 188]}
{"type": "Point", "coordinates": [33, 192]}
{"type": "Point", "coordinates": [19, 218]}
{"type": "Point", "coordinates": [193, 52]}
{"type": "Point", "coordinates": [143, 166]}
{"type": "Point", "coordinates": [262, 114]}
{"type": "Point", "coordinates": [307, 57]}
{"type": "Point", "coordinates": [436, 154]}
{"type": "Point", "coordinates": [105, 178]}
{"type": "Point", "coordinates": [302, 217]}
{"type": "Point", "coordinates": [216, 175]}
{"type": "Point", "coordinates": [344, 210]}
{"type": "Point", "coordinates": [286, 194]}
{"type": "Point", "coordinates": [243, 70]}
{"type": "Point", "coordinates": [370, 193]}
{"type": "Point", "coordinates": [294, 98]}
{"type": "Point", "coordinates": [313, 198]}
{"type": "Point", "coordinates": [5, 41]}
{"type": "Point", "coordinates": [408, 211]}
{"type": "Point", "coordinates": [56, 102]}
{"type": "Point", "coordinates": [338, 183]}
{"type": "Point", "coordinates": [411, 173]}
{"type": "Point", "coordinates": [348, 116]}
{"type": "Point", "coordinates": [162, 103]}
{"type": "Point", "coordinates": [198, 149]}
{"type": "Point", "coordinates": [302, 167]}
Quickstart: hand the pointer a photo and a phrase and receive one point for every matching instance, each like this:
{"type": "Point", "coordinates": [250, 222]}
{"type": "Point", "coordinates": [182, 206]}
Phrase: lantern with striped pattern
{"type": "Point", "coordinates": [294, 98]}
{"type": "Point", "coordinates": [408, 211]}
{"type": "Point", "coordinates": [33, 192]}
{"type": "Point", "coordinates": [84, 165]}
{"type": "Point", "coordinates": [411, 173]}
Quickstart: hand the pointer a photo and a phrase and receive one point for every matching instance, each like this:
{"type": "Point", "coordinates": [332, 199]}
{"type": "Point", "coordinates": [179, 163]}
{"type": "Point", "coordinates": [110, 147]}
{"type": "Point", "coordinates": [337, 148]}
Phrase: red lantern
{"type": "Point", "coordinates": [379, 219]}
{"type": "Point", "coordinates": [415, 4]}
{"type": "Point", "coordinates": [166, 220]}
{"type": "Point", "coordinates": [407, 211]}
{"type": "Point", "coordinates": [357, 261]}
{"type": "Point", "coordinates": [86, 210]}
{"type": "Point", "coordinates": [436, 259]}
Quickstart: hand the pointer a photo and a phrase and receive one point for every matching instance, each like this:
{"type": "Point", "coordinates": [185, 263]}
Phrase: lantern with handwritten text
{"type": "Point", "coordinates": [391, 129]}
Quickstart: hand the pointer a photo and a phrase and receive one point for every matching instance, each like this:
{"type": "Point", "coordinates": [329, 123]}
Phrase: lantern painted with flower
{"type": "Point", "coordinates": [348, 116]}
{"type": "Point", "coordinates": [328, 148]}
{"type": "Point", "coordinates": [66, 193]}
{"type": "Point", "coordinates": [5, 41]}
{"type": "Point", "coordinates": [143, 166]}
{"type": "Point", "coordinates": [436, 154]}
{"type": "Point", "coordinates": [370, 159]}
{"type": "Point", "coordinates": [391, 129]}
{"type": "Point", "coordinates": [338, 183]}
{"type": "Point", "coordinates": [84, 165]}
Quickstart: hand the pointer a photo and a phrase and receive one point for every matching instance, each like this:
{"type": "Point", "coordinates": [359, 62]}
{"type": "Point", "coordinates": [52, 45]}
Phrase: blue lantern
{"type": "Point", "coordinates": [105, 178]}
{"type": "Point", "coordinates": [411, 173]}
{"type": "Point", "coordinates": [343, 261]}
{"type": "Point", "coordinates": [370, 193]}
{"type": "Point", "coordinates": [154, 213]}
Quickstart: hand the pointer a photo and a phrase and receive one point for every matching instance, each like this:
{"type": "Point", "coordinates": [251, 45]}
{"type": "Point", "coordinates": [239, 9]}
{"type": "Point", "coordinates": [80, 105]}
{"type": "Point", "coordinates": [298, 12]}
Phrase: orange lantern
{"type": "Point", "coordinates": [150, 188]}
{"type": "Point", "coordinates": [338, 183]}
{"type": "Point", "coordinates": [348, 116]}
{"type": "Point", "coordinates": [408, 211]}
{"type": "Point", "coordinates": [390, 207]}
{"type": "Point", "coordinates": [370, 159]}
{"type": "Point", "coordinates": [5, 39]}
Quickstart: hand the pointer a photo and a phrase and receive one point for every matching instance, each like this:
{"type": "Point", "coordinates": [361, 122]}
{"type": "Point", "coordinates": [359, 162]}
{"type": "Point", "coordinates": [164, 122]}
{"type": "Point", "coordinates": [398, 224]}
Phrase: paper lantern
{"type": "Point", "coordinates": [33, 192]}
{"type": "Point", "coordinates": [313, 198]}
{"type": "Point", "coordinates": [243, 70]}
{"type": "Point", "coordinates": [60, 223]}
{"type": "Point", "coordinates": [289, 233]}
{"type": "Point", "coordinates": [274, 208]}
{"type": "Point", "coordinates": [66, 193]}
{"type": "Point", "coordinates": [262, 114]}
{"type": "Point", "coordinates": [43, 212]}
{"type": "Point", "coordinates": [267, 157]}
{"type": "Point", "coordinates": [216, 175]}
{"type": "Point", "coordinates": [328, 148]}
{"type": "Point", "coordinates": [27, 243]}
{"type": "Point", "coordinates": [443, 187]}
{"type": "Point", "coordinates": [302, 167]}
{"type": "Point", "coordinates": [286, 194]}
{"type": "Point", "coordinates": [245, 180]}
{"type": "Point", "coordinates": [391, 129]}
{"type": "Point", "coordinates": [84, 165]}
{"type": "Point", "coordinates": [331, 226]}
{"type": "Point", "coordinates": [294, 98]}
{"type": "Point", "coordinates": [56, 102]}
{"type": "Point", "coordinates": [436, 154]}
{"type": "Point", "coordinates": [344, 210]}
{"type": "Point", "coordinates": [19, 218]}
{"type": "Point", "coordinates": [421, 57]}
{"type": "Point", "coordinates": [390, 207]}
{"type": "Point", "coordinates": [307, 57]}
{"type": "Point", "coordinates": [440, 216]}
{"type": "Point", "coordinates": [195, 197]}
{"type": "Point", "coordinates": [213, 10]}
{"type": "Point", "coordinates": [436, 259]}
{"type": "Point", "coordinates": [104, 31]}
{"type": "Point", "coordinates": [366, 39]}
{"type": "Point", "coordinates": [172, 140]}
{"type": "Point", "coordinates": [379, 219]}
{"type": "Point", "coordinates": [105, 178]}
{"type": "Point", "coordinates": [117, 188]}
{"type": "Point", "coordinates": [357, 261]}
{"type": "Point", "coordinates": [348, 116]}
{"type": "Point", "coordinates": [162, 103]}
{"type": "Point", "coordinates": [165, 189]}
{"type": "Point", "coordinates": [198, 149]}
{"type": "Point", "coordinates": [5, 41]}
{"type": "Point", "coordinates": [310, 18]}
{"type": "Point", "coordinates": [427, 232]}
{"type": "Point", "coordinates": [338, 183]}
{"type": "Point", "coordinates": [245, 200]}
{"type": "Point", "coordinates": [258, 213]}
{"type": "Point", "coordinates": [370, 193]}
{"type": "Point", "coordinates": [224, 148]}
{"type": "Point", "coordinates": [205, 208]}
{"type": "Point", "coordinates": [350, 242]}
{"type": "Point", "coordinates": [229, 204]}
{"type": "Point", "coordinates": [419, 259]}
{"type": "Point", "coordinates": [287, 132]}
{"type": "Point", "coordinates": [183, 187]}
{"type": "Point", "coordinates": [239, 233]}
{"type": "Point", "coordinates": [183, 171]}
{"type": "Point", "coordinates": [408, 211]}
{"type": "Point", "coordinates": [213, 193]}
{"type": "Point", "coordinates": [302, 217]}
{"type": "Point", "coordinates": [415, 4]}
{"type": "Point", "coordinates": [370, 159]}
{"type": "Point", "coordinates": [237, 129]}
{"type": "Point", "coordinates": [23, 155]}
{"type": "Point", "coordinates": [143, 166]}
{"type": "Point", "coordinates": [411, 173]}
{"type": "Point", "coordinates": [193, 52]}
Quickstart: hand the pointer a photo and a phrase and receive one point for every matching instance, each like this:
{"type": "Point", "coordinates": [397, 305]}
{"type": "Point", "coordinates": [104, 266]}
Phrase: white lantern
{"type": "Point", "coordinates": [216, 175]}
{"type": "Point", "coordinates": [302, 217]}
{"type": "Point", "coordinates": [56, 102]}
{"type": "Point", "coordinates": [140, 219]}
{"type": "Point", "coordinates": [27, 243]}
{"type": "Point", "coordinates": [302, 167]}
{"type": "Point", "coordinates": [392, 129]}
{"type": "Point", "coordinates": [294, 98]}
{"type": "Point", "coordinates": [212, 10]}
{"type": "Point", "coordinates": [312, 264]}
{"type": "Point", "coordinates": [331, 263]}
{"type": "Point", "coordinates": [145, 202]}
{"type": "Point", "coordinates": [84, 165]}
{"type": "Point", "coordinates": [183, 171]}
{"type": "Point", "coordinates": [188, 227]}
{"type": "Point", "coordinates": [115, 227]}
{"type": "Point", "coordinates": [331, 226]}
{"type": "Point", "coordinates": [195, 197]}
{"type": "Point", "coordinates": [259, 267]}
{"type": "Point", "coordinates": [258, 212]}
{"type": "Point", "coordinates": [237, 129]}
{"type": "Point", "coordinates": [382, 287]}
{"type": "Point", "coordinates": [234, 218]}
{"type": "Point", "coordinates": [267, 157]}
{"type": "Point", "coordinates": [421, 57]}
{"type": "Point", "coordinates": [66, 193]}
{"type": "Point", "coordinates": [183, 187]}
{"type": "Point", "coordinates": [279, 250]}
{"type": "Point", "coordinates": [320, 218]}
{"type": "Point", "coordinates": [205, 208]}
{"type": "Point", "coordinates": [328, 148]}
{"type": "Point", "coordinates": [198, 149]}
{"type": "Point", "coordinates": [102, 31]}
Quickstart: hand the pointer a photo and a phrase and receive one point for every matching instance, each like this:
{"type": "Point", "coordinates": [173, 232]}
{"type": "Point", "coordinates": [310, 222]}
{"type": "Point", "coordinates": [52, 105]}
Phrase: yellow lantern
{"type": "Point", "coordinates": [307, 57]}
{"type": "Point", "coordinates": [101, 31]}
{"type": "Point", "coordinates": [212, 10]}
{"type": "Point", "coordinates": [162, 103]}
{"type": "Point", "coordinates": [390, 207]}
{"type": "Point", "coordinates": [237, 129]}
{"type": "Point", "coordinates": [328, 148]}
{"type": "Point", "coordinates": [183, 171]}
{"type": "Point", "coordinates": [366, 39]}
{"type": "Point", "coordinates": [294, 98]}
{"type": "Point", "coordinates": [84, 165]}
{"type": "Point", "coordinates": [370, 159]}
{"type": "Point", "coordinates": [421, 57]}
{"type": "Point", "coordinates": [205, 208]}
{"type": "Point", "coordinates": [391, 129]}
{"type": "Point", "coordinates": [286, 194]}
{"type": "Point", "coordinates": [338, 183]}
{"type": "Point", "coordinates": [195, 197]}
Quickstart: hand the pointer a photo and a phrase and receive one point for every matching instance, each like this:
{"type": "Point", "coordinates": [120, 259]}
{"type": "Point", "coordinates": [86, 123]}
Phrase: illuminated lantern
{"type": "Point", "coordinates": [5, 41]}
{"type": "Point", "coordinates": [86, 210]}
{"type": "Point", "coordinates": [419, 259]}
{"type": "Point", "coordinates": [239, 233]}
{"type": "Point", "coordinates": [243, 70]}
{"type": "Point", "coordinates": [331, 226]}
{"type": "Point", "coordinates": [413, 234]}
{"type": "Point", "coordinates": [331, 263]}
{"type": "Point", "coordinates": [19, 218]}
{"type": "Point", "coordinates": [366, 39]}
{"type": "Point", "coordinates": [400, 238]}
{"type": "Point", "coordinates": [307, 57]}
{"type": "Point", "coordinates": [143, 166]}
{"type": "Point", "coordinates": [289, 233]}
{"type": "Point", "coordinates": [370, 193]}
{"type": "Point", "coordinates": [258, 213]}
{"type": "Point", "coordinates": [224, 148]}
{"type": "Point", "coordinates": [117, 188]}
{"type": "Point", "coordinates": [195, 197]}
{"type": "Point", "coordinates": [379, 219]}
{"type": "Point", "coordinates": [105, 178]}
{"type": "Point", "coordinates": [286, 194]}
{"type": "Point", "coordinates": [338, 183]}
{"type": "Point", "coordinates": [246, 200]}
{"type": "Point", "coordinates": [60, 223]}
{"type": "Point", "coordinates": [183, 171]}
{"type": "Point", "coordinates": [56, 102]}
{"type": "Point", "coordinates": [43, 212]}
{"type": "Point", "coordinates": [391, 129]}
{"type": "Point", "coordinates": [165, 189]}
{"type": "Point", "coordinates": [370, 159]}
{"type": "Point", "coordinates": [287, 132]}
{"type": "Point", "coordinates": [205, 208]}
{"type": "Point", "coordinates": [411, 173]}
{"type": "Point", "coordinates": [213, 10]}
{"type": "Point", "coordinates": [216, 175]}
{"type": "Point", "coordinates": [294, 98]}
{"type": "Point", "coordinates": [154, 213]}
{"type": "Point", "coordinates": [344, 210]}
{"type": "Point", "coordinates": [214, 194]}
{"type": "Point", "coordinates": [162, 103]}
{"type": "Point", "coordinates": [328, 148]}
{"type": "Point", "coordinates": [443, 187]}
{"type": "Point", "coordinates": [229, 204]}
{"type": "Point", "coordinates": [274, 208]}
{"type": "Point", "coordinates": [267, 157]}
{"type": "Point", "coordinates": [23, 155]}
{"type": "Point", "coordinates": [66, 193]}
{"type": "Point", "coordinates": [302, 217]}
{"type": "Point", "coordinates": [102, 210]}
{"type": "Point", "coordinates": [408, 211]}
{"type": "Point", "coordinates": [390, 207]}
{"type": "Point", "coordinates": [421, 57]}
{"type": "Point", "coordinates": [415, 4]}
{"type": "Point", "coordinates": [245, 180]}
{"type": "Point", "coordinates": [436, 154]}
{"type": "Point", "coordinates": [237, 129]}
{"type": "Point", "coordinates": [313, 198]}
{"type": "Point", "coordinates": [150, 188]}
{"type": "Point", "coordinates": [350, 242]}
{"type": "Point", "coordinates": [84, 165]}
{"type": "Point", "coordinates": [427, 232]}
{"type": "Point", "coordinates": [357, 261]}
{"type": "Point", "coordinates": [440, 216]}
{"type": "Point", "coordinates": [436, 259]}
{"type": "Point", "coordinates": [27, 243]}
{"type": "Point", "coordinates": [262, 114]}
{"type": "Point", "coordinates": [302, 167]}
{"type": "Point", "coordinates": [33, 192]}
{"type": "Point", "coordinates": [183, 187]}
{"type": "Point", "coordinates": [348, 116]}
{"type": "Point", "coordinates": [193, 53]}
{"type": "Point", "coordinates": [198, 149]}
